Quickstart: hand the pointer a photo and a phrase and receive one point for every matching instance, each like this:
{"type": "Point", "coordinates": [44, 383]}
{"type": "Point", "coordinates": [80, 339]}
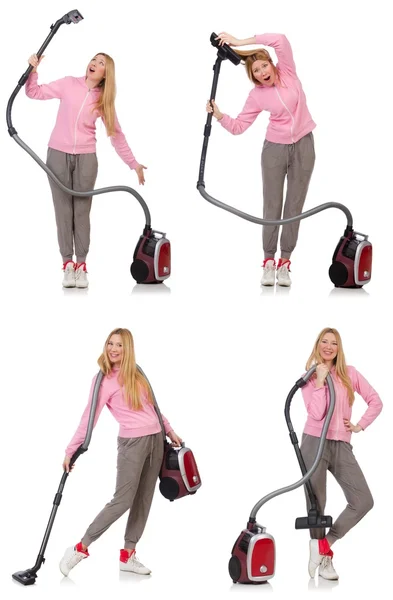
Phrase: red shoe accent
{"type": "Point", "coordinates": [79, 548]}
{"type": "Point", "coordinates": [324, 548]}
{"type": "Point", "coordinates": [81, 265]}
{"type": "Point", "coordinates": [124, 555]}
{"type": "Point", "coordinates": [265, 261]}
{"type": "Point", "coordinates": [66, 263]}
{"type": "Point", "coordinates": [284, 261]}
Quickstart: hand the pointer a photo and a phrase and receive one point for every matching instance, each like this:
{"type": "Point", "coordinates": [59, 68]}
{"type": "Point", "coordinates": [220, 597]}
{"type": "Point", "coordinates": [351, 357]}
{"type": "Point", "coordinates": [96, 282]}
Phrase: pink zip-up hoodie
{"type": "Point", "coordinates": [317, 402]}
{"type": "Point", "coordinates": [132, 423]}
{"type": "Point", "coordinates": [75, 128]}
{"type": "Point", "coordinates": [290, 119]}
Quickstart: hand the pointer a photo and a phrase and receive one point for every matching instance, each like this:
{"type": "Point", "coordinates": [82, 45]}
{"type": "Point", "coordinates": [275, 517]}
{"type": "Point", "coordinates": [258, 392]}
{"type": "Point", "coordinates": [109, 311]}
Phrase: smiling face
{"type": "Point", "coordinates": [328, 347]}
{"type": "Point", "coordinates": [95, 71]}
{"type": "Point", "coordinates": [263, 71]}
{"type": "Point", "coordinates": [114, 349]}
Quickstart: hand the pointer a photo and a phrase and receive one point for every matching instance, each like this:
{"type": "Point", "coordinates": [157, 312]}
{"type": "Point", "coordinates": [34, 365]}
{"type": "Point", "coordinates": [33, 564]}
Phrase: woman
{"type": "Point", "coordinates": [337, 456]}
{"type": "Point", "coordinates": [288, 150]}
{"type": "Point", "coordinates": [72, 153]}
{"type": "Point", "coordinates": [140, 446]}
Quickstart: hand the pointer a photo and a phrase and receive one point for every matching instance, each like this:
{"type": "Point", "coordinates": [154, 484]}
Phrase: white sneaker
{"type": "Point", "coordinates": [315, 558]}
{"type": "Point", "coordinates": [132, 564]}
{"type": "Point", "coordinates": [72, 556]}
{"type": "Point", "coordinates": [283, 277]}
{"type": "Point", "coordinates": [269, 270]}
{"type": "Point", "coordinates": [81, 276]}
{"type": "Point", "coordinates": [69, 274]}
{"type": "Point", "coordinates": [326, 569]}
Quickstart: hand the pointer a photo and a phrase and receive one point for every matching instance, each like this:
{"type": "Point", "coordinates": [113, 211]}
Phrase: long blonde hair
{"type": "Point", "coordinates": [133, 382]}
{"type": "Point", "coordinates": [250, 56]}
{"type": "Point", "coordinates": [339, 362]}
{"type": "Point", "coordinates": [105, 104]}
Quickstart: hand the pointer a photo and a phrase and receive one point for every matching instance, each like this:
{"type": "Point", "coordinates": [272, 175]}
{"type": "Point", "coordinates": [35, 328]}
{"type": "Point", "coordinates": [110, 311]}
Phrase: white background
{"type": "Point", "coordinates": [220, 356]}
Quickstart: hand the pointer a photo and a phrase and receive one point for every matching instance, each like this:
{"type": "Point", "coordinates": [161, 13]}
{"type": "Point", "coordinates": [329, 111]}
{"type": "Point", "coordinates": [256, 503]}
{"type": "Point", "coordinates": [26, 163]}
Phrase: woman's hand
{"type": "Point", "coordinates": [66, 464]}
{"type": "Point", "coordinates": [351, 427]}
{"type": "Point", "coordinates": [215, 110]}
{"type": "Point", "coordinates": [226, 38]}
{"type": "Point", "coordinates": [322, 372]}
{"type": "Point", "coordinates": [141, 176]}
{"type": "Point", "coordinates": [34, 62]}
{"type": "Point", "coordinates": [175, 439]}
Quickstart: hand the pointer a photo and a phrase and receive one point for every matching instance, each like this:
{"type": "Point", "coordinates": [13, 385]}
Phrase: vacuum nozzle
{"type": "Point", "coordinates": [313, 521]}
{"type": "Point", "coordinates": [225, 51]}
{"type": "Point", "coordinates": [74, 16]}
{"type": "Point", "coordinates": [27, 577]}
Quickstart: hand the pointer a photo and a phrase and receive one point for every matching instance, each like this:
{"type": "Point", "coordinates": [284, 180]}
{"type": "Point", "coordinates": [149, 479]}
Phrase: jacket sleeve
{"type": "Point", "coordinates": [167, 425]}
{"type": "Point", "coordinates": [80, 433]}
{"type": "Point", "coordinates": [315, 400]}
{"type": "Point", "coordinates": [45, 91]}
{"type": "Point", "coordinates": [119, 143]}
{"type": "Point", "coordinates": [246, 118]}
{"type": "Point", "coordinates": [282, 48]}
{"type": "Point", "coordinates": [369, 395]}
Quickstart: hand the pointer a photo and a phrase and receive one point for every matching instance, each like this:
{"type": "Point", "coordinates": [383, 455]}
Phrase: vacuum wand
{"type": "Point", "coordinates": [29, 576]}
{"type": "Point", "coordinates": [225, 52]}
{"type": "Point", "coordinates": [74, 16]}
{"type": "Point", "coordinates": [321, 444]}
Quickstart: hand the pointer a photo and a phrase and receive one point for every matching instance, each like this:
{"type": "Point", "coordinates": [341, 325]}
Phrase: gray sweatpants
{"type": "Point", "coordinates": [138, 465]}
{"type": "Point", "coordinates": [78, 172]}
{"type": "Point", "coordinates": [337, 458]}
{"type": "Point", "coordinates": [296, 162]}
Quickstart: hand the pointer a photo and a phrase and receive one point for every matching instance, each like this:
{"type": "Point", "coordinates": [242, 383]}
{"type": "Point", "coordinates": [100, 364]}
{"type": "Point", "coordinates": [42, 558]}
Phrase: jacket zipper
{"type": "Point", "coordinates": [77, 119]}
{"type": "Point", "coordinates": [290, 114]}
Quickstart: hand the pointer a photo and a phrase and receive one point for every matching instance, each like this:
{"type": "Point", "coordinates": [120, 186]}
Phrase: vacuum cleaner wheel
{"type": "Point", "coordinates": [139, 270]}
{"type": "Point", "coordinates": [169, 488]}
{"type": "Point", "coordinates": [234, 568]}
{"type": "Point", "coordinates": [338, 273]}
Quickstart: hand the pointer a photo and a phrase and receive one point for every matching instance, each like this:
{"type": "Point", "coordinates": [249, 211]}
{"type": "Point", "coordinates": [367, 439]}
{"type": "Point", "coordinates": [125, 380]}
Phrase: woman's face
{"type": "Point", "coordinates": [263, 72]}
{"type": "Point", "coordinates": [115, 349]}
{"type": "Point", "coordinates": [96, 69]}
{"type": "Point", "coordinates": [328, 347]}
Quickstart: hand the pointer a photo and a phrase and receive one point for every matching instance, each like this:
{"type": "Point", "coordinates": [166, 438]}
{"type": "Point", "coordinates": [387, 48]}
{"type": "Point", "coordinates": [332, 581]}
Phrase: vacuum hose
{"type": "Point", "coordinates": [321, 444]}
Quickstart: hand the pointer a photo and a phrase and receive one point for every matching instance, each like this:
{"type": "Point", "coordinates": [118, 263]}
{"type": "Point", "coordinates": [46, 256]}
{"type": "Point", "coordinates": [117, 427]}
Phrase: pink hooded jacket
{"type": "Point", "coordinates": [132, 423]}
{"type": "Point", "coordinates": [317, 402]}
{"type": "Point", "coordinates": [74, 131]}
{"type": "Point", "coordinates": [290, 119]}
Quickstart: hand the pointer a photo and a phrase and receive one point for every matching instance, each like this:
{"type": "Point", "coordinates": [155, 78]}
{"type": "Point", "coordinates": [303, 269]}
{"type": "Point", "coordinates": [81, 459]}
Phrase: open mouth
{"type": "Point", "coordinates": [92, 70]}
{"type": "Point", "coordinates": [267, 78]}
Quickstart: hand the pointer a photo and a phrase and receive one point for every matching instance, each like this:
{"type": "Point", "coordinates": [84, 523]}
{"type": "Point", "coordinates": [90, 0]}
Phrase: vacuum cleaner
{"type": "Point", "coordinates": [352, 258]}
{"type": "Point", "coordinates": [152, 255]}
{"type": "Point", "coordinates": [29, 576]}
{"type": "Point", "coordinates": [253, 554]}
{"type": "Point", "coordinates": [179, 475]}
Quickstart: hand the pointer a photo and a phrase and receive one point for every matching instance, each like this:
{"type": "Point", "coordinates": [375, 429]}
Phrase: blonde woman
{"type": "Point", "coordinates": [140, 446]}
{"type": "Point", "coordinates": [72, 153]}
{"type": "Point", "coordinates": [337, 456]}
{"type": "Point", "coordinates": [288, 150]}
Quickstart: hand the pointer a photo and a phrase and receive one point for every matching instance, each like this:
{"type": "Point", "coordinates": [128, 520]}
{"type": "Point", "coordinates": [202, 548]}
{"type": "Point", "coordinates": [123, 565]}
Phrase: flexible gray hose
{"type": "Point", "coordinates": [247, 217]}
{"type": "Point", "coordinates": [155, 403]}
{"type": "Point", "coordinates": [321, 445]}
{"type": "Point", "coordinates": [93, 408]}
{"type": "Point", "coordinates": [114, 188]}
